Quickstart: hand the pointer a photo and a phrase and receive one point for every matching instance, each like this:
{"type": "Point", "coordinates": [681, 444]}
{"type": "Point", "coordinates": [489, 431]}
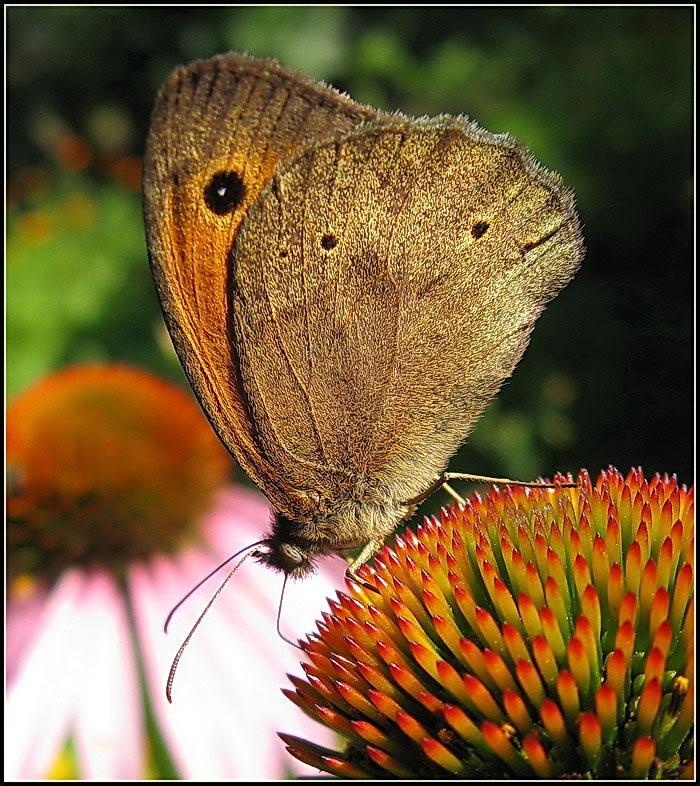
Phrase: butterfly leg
{"type": "Point", "coordinates": [368, 550]}
{"type": "Point", "coordinates": [442, 482]}
{"type": "Point", "coordinates": [536, 484]}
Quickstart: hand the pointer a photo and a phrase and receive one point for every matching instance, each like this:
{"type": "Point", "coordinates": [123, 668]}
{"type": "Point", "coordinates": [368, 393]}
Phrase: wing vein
{"type": "Point", "coordinates": [392, 378]}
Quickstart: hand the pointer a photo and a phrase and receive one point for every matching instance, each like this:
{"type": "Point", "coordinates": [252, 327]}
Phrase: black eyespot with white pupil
{"type": "Point", "coordinates": [224, 192]}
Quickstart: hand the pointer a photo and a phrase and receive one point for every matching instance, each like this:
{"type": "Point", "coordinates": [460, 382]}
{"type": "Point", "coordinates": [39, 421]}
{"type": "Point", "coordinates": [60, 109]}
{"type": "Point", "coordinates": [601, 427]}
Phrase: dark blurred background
{"type": "Point", "coordinates": [602, 95]}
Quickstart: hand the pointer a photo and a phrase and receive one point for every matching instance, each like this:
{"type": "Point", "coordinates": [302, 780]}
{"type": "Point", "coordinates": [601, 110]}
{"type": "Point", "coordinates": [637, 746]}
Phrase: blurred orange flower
{"type": "Point", "coordinates": [117, 505]}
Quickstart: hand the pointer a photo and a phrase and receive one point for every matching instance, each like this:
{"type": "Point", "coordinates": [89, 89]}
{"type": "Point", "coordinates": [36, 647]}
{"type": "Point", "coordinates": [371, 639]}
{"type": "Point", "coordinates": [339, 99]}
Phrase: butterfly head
{"type": "Point", "coordinates": [285, 550]}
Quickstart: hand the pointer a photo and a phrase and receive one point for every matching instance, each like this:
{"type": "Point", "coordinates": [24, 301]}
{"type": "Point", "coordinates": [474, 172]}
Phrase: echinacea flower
{"type": "Point", "coordinates": [116, 508]}
{"type": "Point", "coordinates": [531, 634]}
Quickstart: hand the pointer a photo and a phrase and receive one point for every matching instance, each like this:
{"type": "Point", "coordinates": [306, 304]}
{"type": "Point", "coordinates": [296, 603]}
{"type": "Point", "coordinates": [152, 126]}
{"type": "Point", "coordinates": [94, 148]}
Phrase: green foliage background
{"type": "Point", "coordinates": [602, 95]}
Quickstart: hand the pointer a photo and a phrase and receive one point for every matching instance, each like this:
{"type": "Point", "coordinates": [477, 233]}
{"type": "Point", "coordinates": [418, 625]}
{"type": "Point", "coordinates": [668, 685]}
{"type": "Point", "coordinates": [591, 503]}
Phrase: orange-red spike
{"type": "Point", "coordinates": [642, 757]}
{"type": "Point", "coordinates": [606, 710]}
{"type": "Point", "coordinates": [537, 757]}
{"type": "Point", "coordinates": [590, 736]}
{"type": "Point", "coordinates": [648, 706]}
{"type": "Point", "coordinates": [568, 693]}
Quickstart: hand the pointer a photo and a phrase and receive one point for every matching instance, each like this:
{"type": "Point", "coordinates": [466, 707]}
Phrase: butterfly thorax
{"type": "Point", "coordinates": [293, 546]}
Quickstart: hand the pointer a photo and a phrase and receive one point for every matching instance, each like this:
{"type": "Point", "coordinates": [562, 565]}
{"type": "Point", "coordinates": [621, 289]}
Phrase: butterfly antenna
{"type": "Point", "coordinates": [206, 578]}
{"type": "Point", "coordinates": [176, 660]}
{"type": "Point", "coordinates": [279, 616]}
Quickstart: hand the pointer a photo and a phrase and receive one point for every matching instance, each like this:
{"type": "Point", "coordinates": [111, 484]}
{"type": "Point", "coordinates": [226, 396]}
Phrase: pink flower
{"type": "Point", "coordinates": [226, 695]}
{"type": "Point", "coordinates": [87, 658]}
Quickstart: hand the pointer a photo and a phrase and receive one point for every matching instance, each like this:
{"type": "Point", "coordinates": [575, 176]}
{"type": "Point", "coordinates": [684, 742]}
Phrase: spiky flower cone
{"type": "Point", "coordinates": [533, 633]}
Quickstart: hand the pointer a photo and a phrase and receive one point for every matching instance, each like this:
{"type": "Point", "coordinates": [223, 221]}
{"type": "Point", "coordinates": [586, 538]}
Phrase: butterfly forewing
{"type": "Point", "coordinates": [220, 130]}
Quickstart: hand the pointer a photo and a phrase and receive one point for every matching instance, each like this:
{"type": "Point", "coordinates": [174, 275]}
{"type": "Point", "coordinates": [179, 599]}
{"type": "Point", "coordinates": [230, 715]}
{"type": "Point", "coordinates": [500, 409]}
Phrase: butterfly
{"type": "Point", "coordinates": [346, 288]}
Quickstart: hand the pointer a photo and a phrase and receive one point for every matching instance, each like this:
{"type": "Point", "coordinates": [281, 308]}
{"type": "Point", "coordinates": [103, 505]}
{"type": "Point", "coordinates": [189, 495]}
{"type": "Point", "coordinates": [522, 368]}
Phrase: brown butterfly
{"type": "Point", "coordinates": [346, 289]}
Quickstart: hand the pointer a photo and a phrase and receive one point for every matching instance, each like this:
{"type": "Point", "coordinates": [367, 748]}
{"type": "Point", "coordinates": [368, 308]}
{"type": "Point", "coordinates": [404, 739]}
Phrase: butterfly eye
{"type": "Point", "coordinates": [479, 229]}
{"type": "Point", "coordinates": [293, 555]}
{"type": "Point", "coordinates": [224, 192]}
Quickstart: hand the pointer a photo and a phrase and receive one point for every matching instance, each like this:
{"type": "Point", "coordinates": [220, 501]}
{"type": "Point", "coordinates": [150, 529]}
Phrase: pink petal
{"type": "Point", "coordinates": [76, 678]}
{"type": "Point", "coordinates": [190, 746]}
{"type": "Point", "coordinates": [39, 707]}
{"type": "Point", "coordinates": [109, 731]}
{"type": "Point", "coordinates": [227, 703]}
{"type": "Point", "coordinates": [24, 621]}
